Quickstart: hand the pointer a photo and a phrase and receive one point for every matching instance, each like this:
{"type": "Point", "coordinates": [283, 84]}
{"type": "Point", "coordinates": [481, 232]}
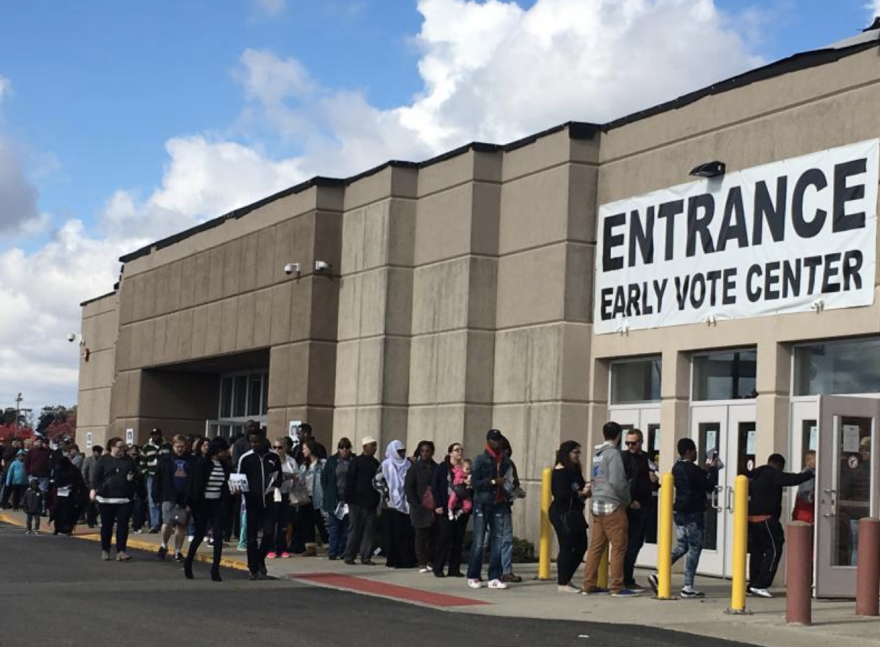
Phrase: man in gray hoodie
{"type": "Point", "coordinates": [611, 496]}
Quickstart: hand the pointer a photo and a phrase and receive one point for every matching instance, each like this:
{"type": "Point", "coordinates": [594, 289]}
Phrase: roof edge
{"type": "Point", "coordinates": [94, 299]}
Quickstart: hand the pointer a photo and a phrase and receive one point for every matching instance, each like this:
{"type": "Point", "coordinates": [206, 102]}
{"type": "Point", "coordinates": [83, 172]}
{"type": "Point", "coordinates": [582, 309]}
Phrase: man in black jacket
{"type": "Point", "coordinates": [642, 482]}
{"type": "Point", "coordinates": [169, 491]}
{"type": "Point", "coordinates": [362, 499]}
{"type": "Point", "coordinates": [262, 469]}
{"type": "Point", "coordinates": [766, 536]}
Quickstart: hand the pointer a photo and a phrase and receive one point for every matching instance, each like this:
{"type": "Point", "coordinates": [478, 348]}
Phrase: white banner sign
{"type": "Point", "coordinates": [792, 236]}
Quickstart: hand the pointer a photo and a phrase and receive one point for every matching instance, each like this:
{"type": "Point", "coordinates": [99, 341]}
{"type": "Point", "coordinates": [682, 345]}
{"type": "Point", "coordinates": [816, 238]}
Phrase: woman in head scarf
{"type": "Point", "coordinates": [399, 536]}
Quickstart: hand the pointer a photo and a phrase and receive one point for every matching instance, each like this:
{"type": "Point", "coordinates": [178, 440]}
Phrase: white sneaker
{"type": "Point", "coordinates": [424, 570]}
{"type": "Point", "coordinates": [476, 584]}
{"type": "Point", "coordinates": [764, 593]}
{"type": "Point", "coordinates": [568, 588]}
{"type": "Point", "coordinates": [497, 584]}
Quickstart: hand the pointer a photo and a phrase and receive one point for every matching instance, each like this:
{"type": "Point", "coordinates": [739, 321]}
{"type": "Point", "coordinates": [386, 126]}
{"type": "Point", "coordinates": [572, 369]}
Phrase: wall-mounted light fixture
{"type": "Point", "coordinates": [709, 169]}
{"type": "Point", "coordinates": [292, 268]}
{"type": "Point", "coordinates": [83, 351]}
{"type": "Point", "coordinates": [322, 267]}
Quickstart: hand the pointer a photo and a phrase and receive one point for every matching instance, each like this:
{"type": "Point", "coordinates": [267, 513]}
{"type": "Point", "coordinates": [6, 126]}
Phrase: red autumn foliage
{"type": "Point", "coordinates": [10, 431]}
{"type": "Point", "coordinates": [61, 428]}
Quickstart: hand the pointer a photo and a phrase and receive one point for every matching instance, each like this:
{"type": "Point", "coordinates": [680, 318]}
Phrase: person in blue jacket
{"type": "Point", "coordinates": [17, 479]}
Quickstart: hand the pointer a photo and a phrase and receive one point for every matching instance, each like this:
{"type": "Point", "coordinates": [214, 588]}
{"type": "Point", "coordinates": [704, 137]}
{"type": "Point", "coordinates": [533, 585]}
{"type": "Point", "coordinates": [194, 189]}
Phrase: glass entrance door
{"type": "Point", "coordinates": [729, 430]}
{"type": "Point", "coordinates": [845, 483]}
{"type": "Point", "coordinates": [647, 419]}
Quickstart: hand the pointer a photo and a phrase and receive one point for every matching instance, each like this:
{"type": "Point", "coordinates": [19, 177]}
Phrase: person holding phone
{"type": "Point", "coordinates": [115, 480]}
{"type": "Point", "coordinates": [570, 492]}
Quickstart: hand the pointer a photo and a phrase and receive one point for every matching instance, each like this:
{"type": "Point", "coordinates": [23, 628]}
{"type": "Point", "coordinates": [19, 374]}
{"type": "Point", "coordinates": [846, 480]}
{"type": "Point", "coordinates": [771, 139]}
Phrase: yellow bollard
{"type": "Point", "coordinates": [664, 538]}
{"type": "Point", "coordinates": [740, 545]}
{"type": "Point", "coordinates": [602, 579]}
{"type": "Point", "coordinates": [546, 528]}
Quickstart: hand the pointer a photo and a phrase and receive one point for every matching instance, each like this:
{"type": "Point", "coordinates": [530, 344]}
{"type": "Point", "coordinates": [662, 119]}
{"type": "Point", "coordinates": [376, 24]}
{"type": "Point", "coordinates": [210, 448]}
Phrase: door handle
{"type": "Point", "coordinates": [728, 500]}
{"type": "Point", "coordinates": [830, 491]}
{"type": "Point", "coordinates": [829, 514]}
{"type": "Point", "coordinates": [716, 503]}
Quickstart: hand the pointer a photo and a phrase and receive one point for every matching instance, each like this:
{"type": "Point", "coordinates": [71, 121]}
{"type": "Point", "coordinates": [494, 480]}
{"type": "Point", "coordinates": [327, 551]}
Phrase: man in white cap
{"type": "Point", "coordinates": [362, 499]}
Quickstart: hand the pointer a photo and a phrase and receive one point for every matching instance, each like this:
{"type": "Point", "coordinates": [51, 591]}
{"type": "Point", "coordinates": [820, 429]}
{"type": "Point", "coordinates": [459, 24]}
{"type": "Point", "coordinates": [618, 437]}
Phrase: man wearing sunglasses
{"type": "Point", "coordinates": [642, 483]}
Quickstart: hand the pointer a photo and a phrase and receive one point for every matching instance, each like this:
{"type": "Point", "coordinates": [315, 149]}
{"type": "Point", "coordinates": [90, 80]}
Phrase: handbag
{"type": "Point", "coordinates": [428, 500]}
{"type": "Point", "coordinates": [574, 521]}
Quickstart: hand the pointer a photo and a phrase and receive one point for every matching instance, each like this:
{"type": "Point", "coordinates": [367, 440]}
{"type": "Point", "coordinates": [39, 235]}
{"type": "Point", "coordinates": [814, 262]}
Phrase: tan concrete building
{"type": "Point", "coordinates": [440, 299]}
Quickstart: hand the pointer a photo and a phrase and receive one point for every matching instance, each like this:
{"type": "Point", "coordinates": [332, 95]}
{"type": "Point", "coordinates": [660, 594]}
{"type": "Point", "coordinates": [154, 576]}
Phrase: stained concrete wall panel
{"type": "Point", "coordinates": [217, 266]}
{"type": "Point", "coordinates": [575, 359]}
{"type": "Point", "coordinates": [444, 424]}
{"type": "Point", "coordinates": [395, 386]}
{"type": "Point", "coordinates": [440, 296]}
{"type": "Point", "coordinates": [281, 313]}
{"type": "Point", "coordinates": [93, 408]}
{"type": "Point", "coordinates": [531, 287]}
{"type": "Point", "coordinates": [443, 225]}
{"type": "Point", "coordinates": [172, 337]}
{"type": "Point", "coordinates": [249, 262]}
{"type": "Point", "coordinates": [266, 257]}
{"type": "Point", "coordinates": [229, 324]}
{"type": "Point", "coordinates": [321, 381]}
{"type": "Point", "coordinates": [301, 308]}
{"type": "Point", "coordinates": [202, 278]}
{"type": "Point", "coordinates": [294, 390]}
{"type": "Point", "coordinates": [232, 267]}
{"type": "Point", "coordinates": [544, 152]}
{"type": "Point", "coordinates": [582, 207]}
{"type": "Point", "coordinates": [99, 371]}
{"type": "Point", "coordinates": [438, 365]}
{"type": "Point", "coordinates": [528, 364]}
{"type": "Point", "coordinates": [399, 307]}
{"type": "Point", "coordinates": [321, 419]}
{"type": "Point", "coordinates": [328, 238]}
{"type": "Point", "coordinates": [574, 424]}
{"type": "Point", "coordinates": [483, 292]}
{"type": "Point", "coordinates": [138, 344]}
{"type": "Point", "coordinates": [135, 287]}
{"type": "Point", "coordinates": [100, 331]}
{"type": "Point", "coordinates": [214, 328]}
{"type": "Point", "coordinates": [157, 356]}
{"type": "Point", "coordinates": [246, 313]}
{"type": "Point", "coordinates": [202, 327]}
{"type": "Point", "coordinates": [277, 423]}
{"type": "Point", "coordinates": [187, 282]}
{"type": "Point", "coordinates": [175, 280]}
{"type": "Point", "coordinates": [279, 368]}
{"type": "Point", "coordinates": [362, 301]}
{"type": "Point", "coordinates": [480, 366]}
{"type": "Point", "coordinates": [773, 96]}
{"type": "Point", "coordinates": [347, 355]}
{"type": "Point", "coordinates": [579, 263]}
{"type": "Point", "coordinates": [324, 312]}
{"type": "Point", "coordinates": [401, 232]}
{"type": "Point", "coordinates": [126, 301]}
{"type": "Point", "coordinates": [263, 318]}
{"type": "Point", "coordinates": [535, 210]}
{"type": "Point", "coordinates": [368, 189]}
{"type": "Point", "coordinates": [185, 346]}
{"type": "Point", "coordinates": [446, 173]}
{"type": "Point", "coordinates": [533, 431]}
{"type": "Point", "coordinates": [486, 218]}
{"type": "Point", "coordinates": [161, 276]}
{"type": "Point", "coordinates": [365, 237]}
{"type": "Point", "coordinates": [182, 396]}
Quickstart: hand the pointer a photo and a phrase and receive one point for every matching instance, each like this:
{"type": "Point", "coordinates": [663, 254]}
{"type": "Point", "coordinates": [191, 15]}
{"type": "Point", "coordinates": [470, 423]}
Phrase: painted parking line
{"type": "Point", "coordinates": [382, 589]}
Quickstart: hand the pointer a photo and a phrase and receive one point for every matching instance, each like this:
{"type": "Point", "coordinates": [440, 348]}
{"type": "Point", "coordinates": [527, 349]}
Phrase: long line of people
{"type": "Point", "coordinates": [283, 495]}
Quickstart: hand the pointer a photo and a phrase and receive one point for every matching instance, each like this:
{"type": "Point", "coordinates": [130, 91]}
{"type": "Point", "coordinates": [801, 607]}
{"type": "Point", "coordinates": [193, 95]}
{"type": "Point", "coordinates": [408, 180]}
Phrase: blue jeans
{"type": "Point", "coordinates": [491, 517]}
{"type": "Point", "coordinates": [155, 508]}
{"type": "Point", "coordinates": [507, 541]}
{"type": "Point", "coordinates": [689, 536]}
{"type": "Point", "coordinates": [338, 530]}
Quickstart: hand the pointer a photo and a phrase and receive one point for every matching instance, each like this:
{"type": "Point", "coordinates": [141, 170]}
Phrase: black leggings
{"type": "Point", "coordinates": [211, 514]}
{"type": "Point", "coordinates": [572, 548]}
{"type": "Point", "coordinates": [118, 513]}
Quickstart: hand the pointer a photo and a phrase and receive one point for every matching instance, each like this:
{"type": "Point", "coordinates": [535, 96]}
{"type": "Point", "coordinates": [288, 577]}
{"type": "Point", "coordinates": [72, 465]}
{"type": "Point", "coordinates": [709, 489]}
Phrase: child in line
{"type": "Point", "coordinates": [460, 498]}
{"type": "Point", "coordinates": [32, 504]}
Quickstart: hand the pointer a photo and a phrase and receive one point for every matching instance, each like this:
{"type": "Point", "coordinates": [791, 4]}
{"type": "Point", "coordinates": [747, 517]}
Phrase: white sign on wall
{"type": "Point", "coordinates": [791, 236]}
{"type": "Point", "coordinates": [129, 436]}
{"type": "Point", "coordinates": [291, 430]}
{"type": "Point", "coordinates": [88, 440]}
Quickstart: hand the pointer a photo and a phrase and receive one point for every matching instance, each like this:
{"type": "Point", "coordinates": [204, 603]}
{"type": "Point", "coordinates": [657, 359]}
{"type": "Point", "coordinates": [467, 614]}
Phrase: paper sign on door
{"type": "Point", "coordinates": [850, 438]}
{"type": "Point", "coordinates": [814, 438]}
{"type": "Point", "coordinates": [711, 441]}
{"type": "Point", "coordinates": [750, 443]}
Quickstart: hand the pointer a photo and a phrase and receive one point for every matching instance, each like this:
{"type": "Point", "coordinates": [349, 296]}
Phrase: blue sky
{"type": "Point", "coordinates": [122, 122]}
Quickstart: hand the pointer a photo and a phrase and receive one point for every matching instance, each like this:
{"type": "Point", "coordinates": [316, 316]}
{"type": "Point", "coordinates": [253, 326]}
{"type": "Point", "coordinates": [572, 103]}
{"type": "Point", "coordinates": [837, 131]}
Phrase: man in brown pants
{"type": "Point", "coordinates": [611, 496]}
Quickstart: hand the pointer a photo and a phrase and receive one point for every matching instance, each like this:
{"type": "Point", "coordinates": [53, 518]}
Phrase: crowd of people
{"type": "Point", "coordinates": [277, 498]}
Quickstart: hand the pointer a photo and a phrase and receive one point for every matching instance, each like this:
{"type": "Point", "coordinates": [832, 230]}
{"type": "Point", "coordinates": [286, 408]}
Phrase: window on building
{"type": "Point", "coordinates": [851, 366]}
{"type": "Point", "coordinates": [243, 396]}
{"type": "Point", "coordinates": [726, 375]}
{"type": "Point", "coordinates": [635, 380]}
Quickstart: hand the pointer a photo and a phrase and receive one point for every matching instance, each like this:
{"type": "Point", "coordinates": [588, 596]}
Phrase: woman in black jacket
{"type": "Point", "coordinates": [567, 513]}
{"type": "Point", "coordinates": [450, 532]}
{"type": "Point", "coordinates": [68, 491]}
{"type": "Point", "coordinates": [115, 480]}
{"type": "Point", "coordinates": [207, 498]}
{"type": "Point", "coordinates": [422, 507]}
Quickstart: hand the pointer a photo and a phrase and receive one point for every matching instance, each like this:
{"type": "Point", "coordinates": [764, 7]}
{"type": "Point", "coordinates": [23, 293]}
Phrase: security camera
{"type": "Point", "coordinates": [322, 266]}
{"type": "Point", "coordinates": [71, 337]}
{"type": "Point", "coordinates": [290, 268]}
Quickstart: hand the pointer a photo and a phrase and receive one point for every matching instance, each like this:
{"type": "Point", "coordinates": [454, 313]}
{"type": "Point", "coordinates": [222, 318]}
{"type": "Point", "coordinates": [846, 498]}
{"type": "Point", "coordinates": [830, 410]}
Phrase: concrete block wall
{"type": "Point", "coordinates": [100, 327]}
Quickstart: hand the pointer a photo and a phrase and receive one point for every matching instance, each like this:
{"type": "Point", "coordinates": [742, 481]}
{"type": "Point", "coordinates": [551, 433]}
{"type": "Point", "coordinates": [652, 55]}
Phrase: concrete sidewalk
{"type": "Point", "coordinates": [834, 621]}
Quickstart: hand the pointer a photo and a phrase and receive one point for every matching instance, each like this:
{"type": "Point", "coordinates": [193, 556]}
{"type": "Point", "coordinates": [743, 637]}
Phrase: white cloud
{"type": "Point", "coordinates": [5, 87]}
{"type": "Point", "coordinates": [491, 71]}
{"type": "Point", "coordinates": [873, 8]}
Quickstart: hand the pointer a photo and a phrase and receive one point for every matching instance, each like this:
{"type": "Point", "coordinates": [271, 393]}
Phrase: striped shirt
{"type": "Point", "coordinates": [215, 482]}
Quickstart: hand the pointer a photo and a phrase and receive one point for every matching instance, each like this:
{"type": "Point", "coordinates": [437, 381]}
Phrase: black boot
{"type": "Point", "coordinates": [215, 575]}
{"type": "Point", "coordinates": [188, 569]}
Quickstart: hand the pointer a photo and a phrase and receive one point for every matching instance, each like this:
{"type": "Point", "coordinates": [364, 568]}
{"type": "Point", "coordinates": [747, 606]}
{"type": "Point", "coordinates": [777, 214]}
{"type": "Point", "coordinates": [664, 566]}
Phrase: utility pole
{"type": "Point", "coordinates": [18, 400]}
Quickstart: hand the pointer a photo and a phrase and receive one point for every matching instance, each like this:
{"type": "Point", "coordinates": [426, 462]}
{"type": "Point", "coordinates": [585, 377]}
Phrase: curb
{"type": "Point", "coordinates": [225, 562]}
